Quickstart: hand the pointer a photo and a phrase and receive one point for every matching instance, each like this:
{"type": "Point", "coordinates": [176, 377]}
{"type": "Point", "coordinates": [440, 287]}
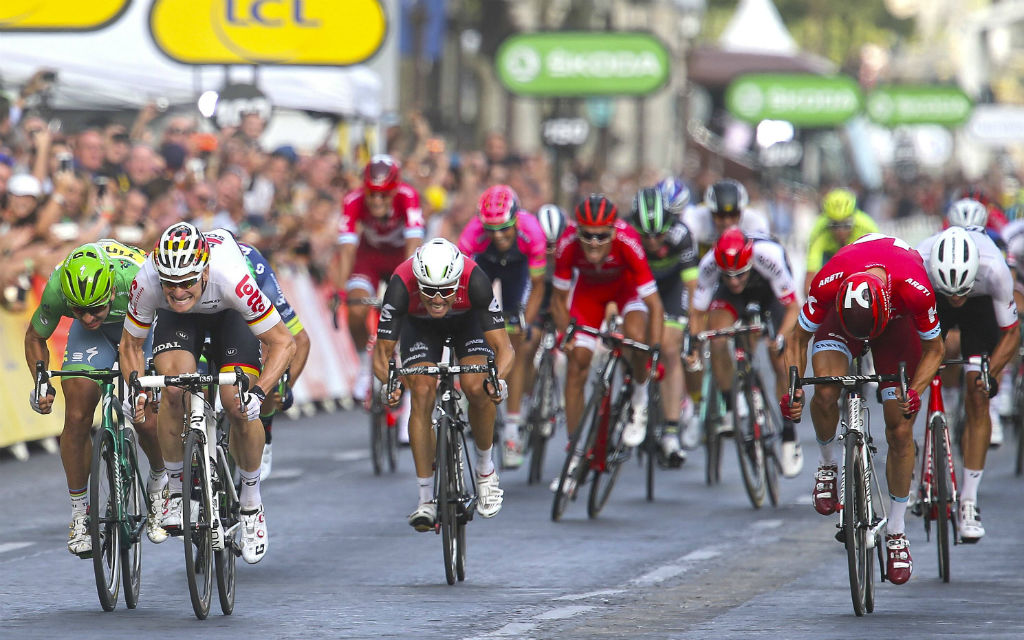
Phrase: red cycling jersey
{"type": "Point", "coordinates": [390, 233]}
{"type": "Point", "coordinates": [625, 259]}
{"type": "Point", "coordinates": [911, 291]}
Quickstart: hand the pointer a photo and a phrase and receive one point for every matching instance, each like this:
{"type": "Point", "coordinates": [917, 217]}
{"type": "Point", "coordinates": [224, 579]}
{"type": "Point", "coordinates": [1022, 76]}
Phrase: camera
{"type": "Point", "coordinates": [101, 185]}
{"type": "Point", "coordinates": [48, 76]}
{"type": "Point", "coordinates": [65, 162]}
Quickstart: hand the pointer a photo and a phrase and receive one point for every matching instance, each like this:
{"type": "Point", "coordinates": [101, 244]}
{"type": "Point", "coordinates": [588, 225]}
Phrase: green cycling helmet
{"type": "Point", "coordinates": [86, 276]}
{"type": "Point", "coordinates": [649, 214]}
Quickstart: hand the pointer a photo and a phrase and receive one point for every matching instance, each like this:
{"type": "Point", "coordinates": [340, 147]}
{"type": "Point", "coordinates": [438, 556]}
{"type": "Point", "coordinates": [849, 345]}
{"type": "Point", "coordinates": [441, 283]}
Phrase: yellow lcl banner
{"type": "Point", "coordinates": [59, 15]}
{"type": "Point", "coordinates": [284, 32]}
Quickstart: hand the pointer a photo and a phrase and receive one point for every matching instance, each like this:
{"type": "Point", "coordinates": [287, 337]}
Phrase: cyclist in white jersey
{"type": "Point", "coordinates": [725, 205]}
{"type": "Point", "coordinates": [194, 285]}
{"type": "Point", "coordinates": [974, 291]}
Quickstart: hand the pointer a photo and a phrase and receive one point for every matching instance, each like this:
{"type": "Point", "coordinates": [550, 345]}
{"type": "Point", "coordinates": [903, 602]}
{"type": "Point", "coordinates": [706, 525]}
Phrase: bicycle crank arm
{"type": "Point", "coordinates": [873, 532]}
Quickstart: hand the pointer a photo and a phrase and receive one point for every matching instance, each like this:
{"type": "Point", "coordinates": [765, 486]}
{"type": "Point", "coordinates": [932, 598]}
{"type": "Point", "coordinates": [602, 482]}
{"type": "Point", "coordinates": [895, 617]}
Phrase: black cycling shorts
{"type": "Point", "coordinates": [736, 303]}
{"type": "Point", "coordinates": [979, 331]}
{"type": "Point", "coordinates": [231, 340]}
{"type": "Point", "coordinates": [421, 340]}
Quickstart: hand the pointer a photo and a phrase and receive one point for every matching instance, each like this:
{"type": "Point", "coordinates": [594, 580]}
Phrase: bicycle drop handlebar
{"type": "Point", "coordinates": [192, 381]}
{"type": "Point", "coordinates": [980, 361]}
{"type": "Point", "coordinates": [795, 381]}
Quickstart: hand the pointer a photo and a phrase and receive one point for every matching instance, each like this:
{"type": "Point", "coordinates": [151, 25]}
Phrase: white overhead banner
{"type": "Point", "coordinates": [996, 124]}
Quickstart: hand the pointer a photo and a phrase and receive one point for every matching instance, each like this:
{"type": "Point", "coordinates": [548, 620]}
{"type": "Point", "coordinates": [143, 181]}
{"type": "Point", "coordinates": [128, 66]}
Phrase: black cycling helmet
{"type": "Point", "coordinates": [726, 197]}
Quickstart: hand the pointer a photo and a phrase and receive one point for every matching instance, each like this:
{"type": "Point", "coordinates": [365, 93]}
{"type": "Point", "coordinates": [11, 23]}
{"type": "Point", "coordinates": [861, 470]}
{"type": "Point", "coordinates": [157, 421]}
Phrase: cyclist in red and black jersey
{"type": "Point", "coordinates": [875, 291]}
{"type": "Point", "coordinates": [437, 293]}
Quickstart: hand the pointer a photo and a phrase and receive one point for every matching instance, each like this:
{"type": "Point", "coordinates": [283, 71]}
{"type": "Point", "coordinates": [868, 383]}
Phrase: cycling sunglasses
{"type": "Point", "coordinates": [444, 292]}
{"type": "Point", "coordinates": [840, 225]}
{"type": "Point", "coordinates": [184, 284]}
{"type": "Point", "coordinates": [594, 238]}
{"type": "Point", "coordinates": [494, 228]}
{"type": "Point", "coordinates": [98, 309]}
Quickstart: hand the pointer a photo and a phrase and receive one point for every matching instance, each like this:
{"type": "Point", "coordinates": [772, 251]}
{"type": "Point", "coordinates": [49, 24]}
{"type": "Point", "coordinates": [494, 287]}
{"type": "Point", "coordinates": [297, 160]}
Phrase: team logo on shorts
{"type": "Point", "coordinates": [182, 334]}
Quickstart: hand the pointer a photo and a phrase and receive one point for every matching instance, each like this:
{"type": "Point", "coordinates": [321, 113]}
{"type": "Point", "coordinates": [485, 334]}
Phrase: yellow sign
{"type": "Point", "coordinates": [59, 15]}
{"type": "Point", "coordinates": [288, 32]}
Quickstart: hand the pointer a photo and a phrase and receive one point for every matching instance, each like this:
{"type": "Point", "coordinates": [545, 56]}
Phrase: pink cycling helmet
{"type": "Point", "coordinates": [498, 206]}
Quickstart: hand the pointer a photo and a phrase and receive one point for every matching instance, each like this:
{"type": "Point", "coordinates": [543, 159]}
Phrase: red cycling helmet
{"type": "Point", "coordinates": [733, 252]}
{"type": "Point", "coordinates": [863, 304]}
{"type": "Point", "coordinates": [596, 211]}
{"type": "Point", "coordinates": [498, 206]}
{"type": "Point", "coordinates": [381, 173]}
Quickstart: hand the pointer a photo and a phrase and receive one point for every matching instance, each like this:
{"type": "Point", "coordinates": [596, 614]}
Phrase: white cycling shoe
{"type": "Point", "coordinates": [254, 535]}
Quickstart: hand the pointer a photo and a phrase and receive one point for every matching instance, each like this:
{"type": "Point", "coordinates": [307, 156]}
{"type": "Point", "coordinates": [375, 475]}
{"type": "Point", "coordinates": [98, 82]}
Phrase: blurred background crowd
{"type": "Point", "coordinates": [71, 173]}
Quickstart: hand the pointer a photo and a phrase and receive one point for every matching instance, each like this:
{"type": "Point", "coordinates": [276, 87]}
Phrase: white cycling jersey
{"type": "Point", "coordinates": [1013, 236]}
{"type": "Point", "coordinates": [994, 277]}
{"type": "Point", "coordinates": [230, 286]}
{"type": "Point", "coordinates": [769, 261]}
{"type": "Point", "coordinates": [699, 220]}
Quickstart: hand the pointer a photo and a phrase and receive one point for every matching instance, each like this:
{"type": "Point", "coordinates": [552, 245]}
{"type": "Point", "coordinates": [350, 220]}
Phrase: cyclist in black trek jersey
{"type": "Point", "coordinates": [672, 254]}
{"type": "Point", "coordinates": [436, 293]}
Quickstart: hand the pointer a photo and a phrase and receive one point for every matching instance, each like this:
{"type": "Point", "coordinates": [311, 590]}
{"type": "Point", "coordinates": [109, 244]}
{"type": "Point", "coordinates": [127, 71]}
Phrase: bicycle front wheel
{"type": "Point", "coordinates": [378, 431]}
{"type": "Point", "coordinates": [229, 513]}
{"type": "Point", "coordinates": [104, 525]}
{"type": "Point", "coordinates": [542, 416]}
{"type": "Point", "coordinates": [577, 458]}
{"type": "Point", "coordinates": [655, 428]}
{"type": "Point", "coordinates": [855, 523]}
{"type": "Point", "coordinates": [196, 522]}
{"type": "Point", "coordinates": [943, 498]}
{"type": "Point", "coordinates": [749, 446]}
{"type": "Point", "coordinates": [616, 453]}
{"type": "Point", "coordinates": [135, 513]}
{"type": "Point", "coordinates": [446, 499]}
{"type": "Point", "coordinates": [458, 484]}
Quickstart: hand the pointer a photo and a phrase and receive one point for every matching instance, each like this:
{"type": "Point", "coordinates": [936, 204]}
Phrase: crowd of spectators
{"type": "Point", "coordinates": [128, 176]}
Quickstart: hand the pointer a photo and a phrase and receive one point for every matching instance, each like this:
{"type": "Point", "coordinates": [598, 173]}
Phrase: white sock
{"type": "Point", "coordinates": [972, 479]}
{"type": "Point", "coordinates": [79, 500]}
{"type": "Point", "coordinates": [174, 470]}
{"type": "Point", "coordinates": [639, 399]}
{"type": "Point", "coordinates": [511, 431]}
{"type": "Point", "coordinates": [897, 512]}
{"type": "Point", "coordinates": [249, 498]}
{"type": "Point", "coordinates": [157, 480]}
{"type": "Point", "coordinates": [426, 486]}
{"type": "Point", "coordinates": [484, 464]}
{"type": "Point", "coordinates": [828, 453]}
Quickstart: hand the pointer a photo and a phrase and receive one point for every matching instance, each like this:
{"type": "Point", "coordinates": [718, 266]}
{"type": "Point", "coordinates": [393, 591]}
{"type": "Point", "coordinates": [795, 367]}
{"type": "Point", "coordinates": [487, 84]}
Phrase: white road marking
{"type": "Point", "coordinates": [13, 546]}
{"type": "Point", "coordinates": [350, 456]}
{"type": "Point", "coordinates": [284, 474]}
{"type": "Point", "coordinates": [680, 566]}
{"type": "Point", "coordinates": [767, 524]}
{"type": "Point", "coordinates": [561, 613]}
{"type": "Point", "coordinates": [592, 594]}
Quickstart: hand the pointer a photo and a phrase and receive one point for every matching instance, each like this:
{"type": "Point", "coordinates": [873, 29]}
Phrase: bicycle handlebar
{"type": "Point", "coordinates": [610, 339]}
{"type": "Point", "coordinates": [795, 381]}
{"type": "Point", "coordinates": [980, 361]}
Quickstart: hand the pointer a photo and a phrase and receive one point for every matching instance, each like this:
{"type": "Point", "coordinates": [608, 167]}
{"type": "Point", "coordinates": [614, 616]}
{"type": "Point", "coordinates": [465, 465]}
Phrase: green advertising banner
{"type": "Point", "coordinates": [580, 63]}
{"type": "Point", "coordinates": [803, 99]}
{"type": "Point", "coordinates": [919, 104]}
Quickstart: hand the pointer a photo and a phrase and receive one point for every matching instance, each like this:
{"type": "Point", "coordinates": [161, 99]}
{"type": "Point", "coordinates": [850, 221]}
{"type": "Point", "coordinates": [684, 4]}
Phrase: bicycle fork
{"type": "Point", "coordinates": [200, 420]}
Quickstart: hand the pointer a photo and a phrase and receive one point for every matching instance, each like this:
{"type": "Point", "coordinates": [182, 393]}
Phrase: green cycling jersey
{"type": "Point", "coordinates": [823, 245]}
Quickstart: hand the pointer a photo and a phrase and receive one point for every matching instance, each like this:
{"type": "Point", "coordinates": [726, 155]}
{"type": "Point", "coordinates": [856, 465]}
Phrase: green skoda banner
{"type": "Point", "coordinates": [918, 104]}
{"type": "Point", "coordinates": [802, 99]}
{"type": "Point", "coordinates": [579, 63]}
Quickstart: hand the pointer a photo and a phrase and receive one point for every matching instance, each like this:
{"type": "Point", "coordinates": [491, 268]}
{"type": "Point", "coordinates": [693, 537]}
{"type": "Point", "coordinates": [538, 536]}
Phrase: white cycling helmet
{"type": "Point", "coordinates": [552, 221]}
{"type": "Point", "coordinates": [967, 213]}
{"type": "Point", "coordinates": [953, 263]}
{"type": "Point", "coordinates": [181, 253]}
{"type": "Point", "coordinates": [438, 263]}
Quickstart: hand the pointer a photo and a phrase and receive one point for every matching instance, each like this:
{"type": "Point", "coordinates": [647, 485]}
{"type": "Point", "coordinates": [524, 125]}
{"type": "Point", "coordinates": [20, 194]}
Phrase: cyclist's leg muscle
{"type": "Point", "coordinates": [634, 327]}
{"type": "Point", "coordinates": [81, 396]}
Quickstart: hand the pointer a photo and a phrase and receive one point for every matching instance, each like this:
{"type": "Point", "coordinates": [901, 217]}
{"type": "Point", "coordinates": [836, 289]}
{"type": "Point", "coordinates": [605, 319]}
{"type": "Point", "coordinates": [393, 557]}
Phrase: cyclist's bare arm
{"type": "Point", "coordinates": [382, 352]}
{"type": "Point", "coordinates": [932, 353]}
{"type": "Point", "coordinates": [301, 356]}
{"type": "Point", "coordinates": [789, 318]}
{"type": "Point", "coordinates": [279, 349]}
{"type": "Point", "coordinates": [560, 308]}
{"type": "Point", "coordinates": [535, 298]}
{"type": "Point", "coordinates": [1005, 349]}
{"type": "Point", "coordinates": [36, 350]}
{"type": "Point", "coordinates": [411, 244]}
{"type": "Point", "coordinates": [796, 349]}
{"type": "Point", "coordinates": [504, 356]}
{"type": "Point", "coordinates": [342, 267]}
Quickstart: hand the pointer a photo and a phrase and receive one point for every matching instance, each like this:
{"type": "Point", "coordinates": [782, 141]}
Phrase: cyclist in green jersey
{"type": "Point", "coordinates": [840, 224]}
{"type": "Point", "coordinates": [91, 286]}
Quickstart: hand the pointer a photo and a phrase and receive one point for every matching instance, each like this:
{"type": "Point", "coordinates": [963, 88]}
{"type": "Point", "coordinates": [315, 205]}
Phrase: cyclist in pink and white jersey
{"type": "Point", "coordinates": [509, 246]}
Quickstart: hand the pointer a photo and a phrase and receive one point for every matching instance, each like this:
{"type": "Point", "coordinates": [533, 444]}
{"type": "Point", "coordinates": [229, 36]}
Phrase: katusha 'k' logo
{"type": "Point", "coordinates": [285, 32]}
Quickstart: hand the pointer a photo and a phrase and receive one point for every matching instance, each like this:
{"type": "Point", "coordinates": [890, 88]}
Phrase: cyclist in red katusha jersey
{"type": "Point", "coordinates": [607, 258]}
{"type": "Point", "coordinates": [876, 292]}
{"type": "Point", "coordinates": [381, 225]}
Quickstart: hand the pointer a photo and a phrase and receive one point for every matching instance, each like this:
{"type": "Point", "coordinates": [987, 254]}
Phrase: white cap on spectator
{"type": "Point", "coordinates": [24, 185]}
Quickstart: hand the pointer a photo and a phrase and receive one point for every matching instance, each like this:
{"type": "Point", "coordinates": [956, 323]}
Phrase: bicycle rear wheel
{"type": "Point", "coordinates": [229, 512]}
{"type": "Point", "coordinates": [712, 438]}
{"type": "Point", "coordinates": [446, 499]}
{"type": "Point", "coordinates": [769, 440]}
{"type": "Point", "coordinates": [104, 526]}
{"type": "Point", "coordinates": [616, 453]}
{"type": "Point", "coordinates": [749, 447]}
{"type": "Point", "coordinates": [135, 513]}
{"type": "Point", "coordinates": [655, 428]}
{"type": "Point", "coordinates": [854, 522]}
{"type": "Point", "coordinates": [196, 519]}
{"type": "Point", "coordinates": [542, 416]}
{"type": "Point", "coordinates": [943, 502]}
